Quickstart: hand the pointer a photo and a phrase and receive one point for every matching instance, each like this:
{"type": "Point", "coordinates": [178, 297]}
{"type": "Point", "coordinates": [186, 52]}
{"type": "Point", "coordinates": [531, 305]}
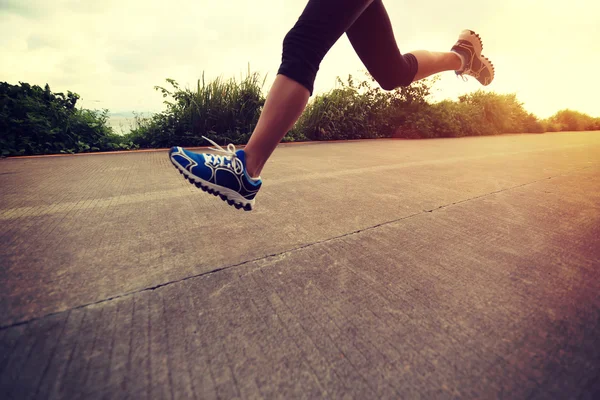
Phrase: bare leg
{"type": "Point", "coordinates": [287, 99]}
{"type": "Point", "coordinates": [431, 63]}
{"type": "Point", "coordinates": [370, 32]}
{"type": "Point", "coordinates": [285, 102]}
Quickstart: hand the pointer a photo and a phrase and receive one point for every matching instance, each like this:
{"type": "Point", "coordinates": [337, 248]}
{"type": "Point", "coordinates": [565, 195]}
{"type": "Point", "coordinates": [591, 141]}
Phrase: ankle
{"type": "Point", "coordinates": [252, 169]}
{"type": "Point", "coordinates": [461, 60]}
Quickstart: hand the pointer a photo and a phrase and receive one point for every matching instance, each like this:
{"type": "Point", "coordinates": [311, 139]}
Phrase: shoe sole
{"type": "Point", "coordinates": [229, 196]}
{"type": "Point", "coordinates": [488, 64]}
{"type": "Point", "coordinates": [473, 38]}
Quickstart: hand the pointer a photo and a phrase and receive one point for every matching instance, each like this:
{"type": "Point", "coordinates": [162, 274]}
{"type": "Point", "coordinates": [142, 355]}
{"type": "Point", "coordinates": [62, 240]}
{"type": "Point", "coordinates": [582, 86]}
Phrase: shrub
{"type": "Point", "coordinates": [222, 110]}
{"type": "Point", "coordinates": [360, 110]}
{"type": "Point", "coordinates": [36, 121]}
{"type": "Point", "coordinates": [569, 120]}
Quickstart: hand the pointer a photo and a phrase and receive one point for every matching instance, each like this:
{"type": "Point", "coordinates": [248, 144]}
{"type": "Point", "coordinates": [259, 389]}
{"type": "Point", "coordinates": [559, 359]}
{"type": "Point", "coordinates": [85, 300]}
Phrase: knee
{"type": "Point", "coordinates": [301, 57]}
{"type": "Point", "coordinates": [390, 83]}
{"type": "Point", "coordinates": [290, 41]}
{"type": "Point", "coordinates": [397, 74]}
{"type": "Point", "coordinates": [387, 84]}
{"type": "Point", "coordinates": [298, 44]}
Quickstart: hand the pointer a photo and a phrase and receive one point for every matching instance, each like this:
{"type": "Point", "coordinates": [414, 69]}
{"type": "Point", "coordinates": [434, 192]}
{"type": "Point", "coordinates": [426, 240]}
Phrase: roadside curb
{"type": "Point", "coordinates": [188, 148]}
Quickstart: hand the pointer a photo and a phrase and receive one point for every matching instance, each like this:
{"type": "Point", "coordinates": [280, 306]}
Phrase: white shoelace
{"type": "Point", "coordinates": [235, 164]}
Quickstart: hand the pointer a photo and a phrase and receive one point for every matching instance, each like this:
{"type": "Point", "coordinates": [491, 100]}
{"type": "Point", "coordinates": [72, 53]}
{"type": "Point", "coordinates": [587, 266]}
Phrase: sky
{"type": "Point", "coordinates": [113, 52]}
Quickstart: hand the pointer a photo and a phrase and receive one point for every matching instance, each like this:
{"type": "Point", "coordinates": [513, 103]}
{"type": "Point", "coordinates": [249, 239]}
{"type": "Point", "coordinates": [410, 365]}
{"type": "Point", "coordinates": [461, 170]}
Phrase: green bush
{"type": "Point", "coordinates": [360, 110]}
{"type": "Point", "coordinates": [549, 126]}
{"type": "Point", "coordinates": [475, 114]}
{"type": "Point", "coordinates": [227, 111]}
{"type": "Point", "coordinates": [363, 110]}
{"type": "Point", "coordinates": [36, 121]}
{"type": "Point", "coordinates": [224, 111]}
{"type": "Point", "coordinates": [569, 120]}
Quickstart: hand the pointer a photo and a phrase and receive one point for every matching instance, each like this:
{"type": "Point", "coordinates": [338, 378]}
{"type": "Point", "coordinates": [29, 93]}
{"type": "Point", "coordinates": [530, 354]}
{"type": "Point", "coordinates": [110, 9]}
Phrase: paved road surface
{"type": "Point", "coordinates": [451, 268]}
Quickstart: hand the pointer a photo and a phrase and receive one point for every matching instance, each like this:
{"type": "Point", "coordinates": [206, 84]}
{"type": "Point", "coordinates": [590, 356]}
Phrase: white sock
{"type": "Point", "coordinates": [253, 180]}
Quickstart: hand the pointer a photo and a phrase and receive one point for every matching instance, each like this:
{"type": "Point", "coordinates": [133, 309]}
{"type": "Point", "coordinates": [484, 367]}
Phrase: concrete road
{"type": "Point", "coordinates": [448, 268]}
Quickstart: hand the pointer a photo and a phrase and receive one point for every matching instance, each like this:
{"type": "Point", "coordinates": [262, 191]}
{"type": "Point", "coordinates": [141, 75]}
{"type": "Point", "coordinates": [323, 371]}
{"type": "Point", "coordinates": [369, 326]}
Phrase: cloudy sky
{"type": "Point", "coordinates": [113, 52]}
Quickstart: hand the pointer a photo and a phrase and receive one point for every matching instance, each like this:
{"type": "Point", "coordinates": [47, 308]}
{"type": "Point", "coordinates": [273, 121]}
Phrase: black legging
{"type": "Point", "coordinates": [369, 29]}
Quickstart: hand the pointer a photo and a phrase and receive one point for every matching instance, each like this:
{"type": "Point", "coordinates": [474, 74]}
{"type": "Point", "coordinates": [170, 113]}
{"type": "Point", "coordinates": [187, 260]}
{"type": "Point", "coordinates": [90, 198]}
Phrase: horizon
{"type": "Point", "coordinates": [71, 47]}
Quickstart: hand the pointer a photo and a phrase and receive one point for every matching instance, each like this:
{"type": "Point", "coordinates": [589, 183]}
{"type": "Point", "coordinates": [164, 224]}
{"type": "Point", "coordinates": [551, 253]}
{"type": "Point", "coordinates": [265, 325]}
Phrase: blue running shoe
{"type": "Point", "coordinates": [221, 175]}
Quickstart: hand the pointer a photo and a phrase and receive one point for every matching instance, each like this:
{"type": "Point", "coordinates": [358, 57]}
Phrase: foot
{"type": "Point", "coordinates": [469, 47]}
{"type": "Point", "coordinates": [221, 175]}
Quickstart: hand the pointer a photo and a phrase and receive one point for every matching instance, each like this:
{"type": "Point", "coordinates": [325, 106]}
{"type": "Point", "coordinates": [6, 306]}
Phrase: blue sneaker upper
{"type": "Point", "coordinates": [228, 170]}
